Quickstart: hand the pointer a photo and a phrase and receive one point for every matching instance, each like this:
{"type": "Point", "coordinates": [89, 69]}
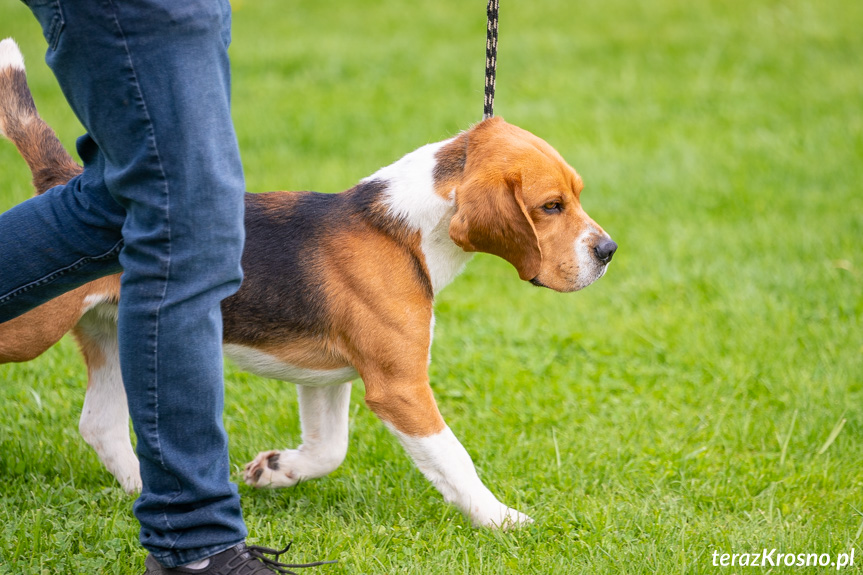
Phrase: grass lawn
{"type": "Point", "coordinates": [705, 396]}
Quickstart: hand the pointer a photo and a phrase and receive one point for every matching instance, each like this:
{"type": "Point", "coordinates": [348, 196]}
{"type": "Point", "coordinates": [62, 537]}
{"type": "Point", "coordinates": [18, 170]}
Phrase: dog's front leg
{"type": "Point", "coordinates": [324, 421]}
{"type": "Point", "coordinates": [409, 410]}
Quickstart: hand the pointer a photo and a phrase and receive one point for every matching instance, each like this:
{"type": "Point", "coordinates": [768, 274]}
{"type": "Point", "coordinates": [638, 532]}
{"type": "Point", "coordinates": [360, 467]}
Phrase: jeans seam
{"type": "Point", "coordinates": [57, 24]}
{"type": "Point", "coordinates": [61, 272]}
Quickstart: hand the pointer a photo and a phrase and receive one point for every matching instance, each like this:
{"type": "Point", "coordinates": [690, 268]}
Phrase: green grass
{"type": "Point", "coordinates": [684, 404]}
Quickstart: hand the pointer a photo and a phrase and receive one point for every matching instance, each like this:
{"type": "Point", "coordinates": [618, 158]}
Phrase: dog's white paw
{"type": "Point", "coordinates": [502, 517]}
{"type": "Point", "coordinates": [131, 483]}
{"type": "Point", "coordinates": [291, 466]}
{"type": "Point", "coordinates": [122, 463]}
{"type": "Point", "coordinates": [271, 469]}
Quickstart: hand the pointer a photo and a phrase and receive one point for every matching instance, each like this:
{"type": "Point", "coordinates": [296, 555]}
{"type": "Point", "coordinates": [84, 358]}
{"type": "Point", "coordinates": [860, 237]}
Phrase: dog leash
{"type": "Point", "coordinates": [490, 59]}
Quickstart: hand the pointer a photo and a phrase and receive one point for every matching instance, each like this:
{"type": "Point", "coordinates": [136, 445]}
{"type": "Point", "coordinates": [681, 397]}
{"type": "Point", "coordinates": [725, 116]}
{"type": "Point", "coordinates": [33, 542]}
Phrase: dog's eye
{"type": "Point", "coordinates": [552, 207]}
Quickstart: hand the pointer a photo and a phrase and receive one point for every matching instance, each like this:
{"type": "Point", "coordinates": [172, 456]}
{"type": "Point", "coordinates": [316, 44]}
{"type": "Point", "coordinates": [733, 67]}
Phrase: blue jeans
{"type": "Point", "coordinates": [160, 198]}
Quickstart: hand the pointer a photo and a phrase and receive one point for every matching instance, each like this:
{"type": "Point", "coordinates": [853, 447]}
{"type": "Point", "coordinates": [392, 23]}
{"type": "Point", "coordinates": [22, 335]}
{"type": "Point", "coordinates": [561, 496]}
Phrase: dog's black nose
{"type": "Point", "coordinates": [604, 250]}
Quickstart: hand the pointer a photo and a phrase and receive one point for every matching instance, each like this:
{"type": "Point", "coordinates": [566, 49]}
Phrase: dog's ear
{"type": "Point", "coordinates": [493, 219]}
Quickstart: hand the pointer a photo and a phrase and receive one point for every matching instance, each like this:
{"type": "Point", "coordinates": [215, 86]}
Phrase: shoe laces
{"type": "Point", "coordinates": [260, 553]}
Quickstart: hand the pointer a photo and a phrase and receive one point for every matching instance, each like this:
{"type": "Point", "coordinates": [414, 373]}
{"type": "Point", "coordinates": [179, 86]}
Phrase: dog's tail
{"type": "Point", "coordinates": [49, 162]}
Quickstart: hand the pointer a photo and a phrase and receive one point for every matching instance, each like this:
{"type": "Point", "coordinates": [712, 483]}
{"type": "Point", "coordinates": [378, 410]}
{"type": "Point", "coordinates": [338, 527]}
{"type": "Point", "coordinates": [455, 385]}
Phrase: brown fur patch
{"type": "Point", "coordinates": [31, 334]}
{"type": "Point", "coordinates": [381, 324]}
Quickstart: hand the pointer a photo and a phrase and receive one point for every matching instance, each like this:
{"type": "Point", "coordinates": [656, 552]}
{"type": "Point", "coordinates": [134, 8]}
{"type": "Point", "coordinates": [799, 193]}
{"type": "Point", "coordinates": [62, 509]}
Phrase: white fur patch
{"type": "Point", "coordinates": [102, 306]}
{"type": "Point", "coordinates": [10, 55]}
{"type": "Point", "coordinates": [431, 336]}
{"type": "Point", "coordinates": [411, 197]}
{"type": "Point", "coordinates": [589, 268]}
{"type": "Point", "coordinates": [587, 265]}
{"type": "Point", "coordinates": [266, 365]}
{"type": "Point", "coordinates": [447, 465]}
{"type": "Point", "coordinates": [444, 259]}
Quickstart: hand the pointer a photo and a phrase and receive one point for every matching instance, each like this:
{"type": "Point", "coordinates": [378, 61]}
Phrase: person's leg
{"type": "Point", "coordinates": [57, 241]}
{"type": "Point", "coordinates": [149, 79]}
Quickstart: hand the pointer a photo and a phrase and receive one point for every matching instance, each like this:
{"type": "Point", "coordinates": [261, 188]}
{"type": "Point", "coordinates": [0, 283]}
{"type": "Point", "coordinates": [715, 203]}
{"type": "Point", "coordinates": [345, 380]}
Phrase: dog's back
{"type": "Point", "coordinates": [288, 291]}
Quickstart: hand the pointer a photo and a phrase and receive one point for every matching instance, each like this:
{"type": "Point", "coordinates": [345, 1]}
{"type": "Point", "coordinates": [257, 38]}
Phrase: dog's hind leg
{"type": "Point", "coordinates": [28, 336]}
{"type": "Point", "coordinates": [324, 420]}
{"type": "Point", "coordinates": [104, 422]}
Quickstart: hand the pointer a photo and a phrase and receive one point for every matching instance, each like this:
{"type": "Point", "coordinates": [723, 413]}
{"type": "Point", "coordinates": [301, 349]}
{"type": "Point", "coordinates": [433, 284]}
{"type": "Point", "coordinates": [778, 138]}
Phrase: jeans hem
{"type": "Point", "coordinates": [179, 557]}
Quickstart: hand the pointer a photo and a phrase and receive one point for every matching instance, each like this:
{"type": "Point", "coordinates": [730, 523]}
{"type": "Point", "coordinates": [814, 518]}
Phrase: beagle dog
{"type": "Point", "coordinates": [339, 286]}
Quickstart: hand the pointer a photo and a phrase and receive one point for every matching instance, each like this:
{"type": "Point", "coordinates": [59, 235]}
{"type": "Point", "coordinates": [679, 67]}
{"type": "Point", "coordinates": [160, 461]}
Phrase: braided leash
{"type": "Point", "coordinates": [490, 59]}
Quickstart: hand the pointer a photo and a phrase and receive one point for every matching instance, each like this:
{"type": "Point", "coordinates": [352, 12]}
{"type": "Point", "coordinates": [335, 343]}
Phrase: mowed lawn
{"type": "Point", "coordinates": [703, 397]}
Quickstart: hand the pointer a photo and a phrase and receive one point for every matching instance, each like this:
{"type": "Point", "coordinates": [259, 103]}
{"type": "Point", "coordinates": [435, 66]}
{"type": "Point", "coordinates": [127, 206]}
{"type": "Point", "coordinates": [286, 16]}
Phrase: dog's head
{"type": "Point", "coordinates": [518, 199]}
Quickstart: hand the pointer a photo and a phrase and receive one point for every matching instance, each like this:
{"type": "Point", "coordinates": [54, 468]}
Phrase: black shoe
{"type": "Point", "coordinates": [238, 560]}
